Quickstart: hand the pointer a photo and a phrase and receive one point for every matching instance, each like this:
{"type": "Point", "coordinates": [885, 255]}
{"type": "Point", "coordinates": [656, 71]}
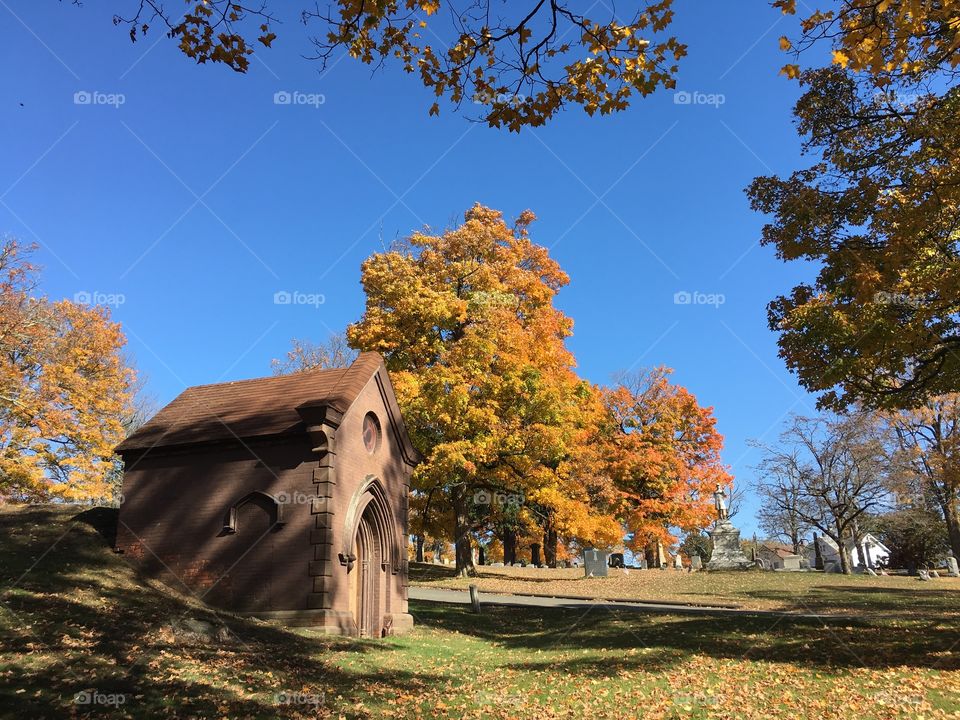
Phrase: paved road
{"type": "Point", "coordinates": [462, 597]}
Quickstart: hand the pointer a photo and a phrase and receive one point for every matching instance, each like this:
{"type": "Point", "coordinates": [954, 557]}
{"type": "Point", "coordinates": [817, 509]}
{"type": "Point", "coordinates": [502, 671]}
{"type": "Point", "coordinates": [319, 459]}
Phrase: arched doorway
{"type": "Point", "coordinates": [367, 582]}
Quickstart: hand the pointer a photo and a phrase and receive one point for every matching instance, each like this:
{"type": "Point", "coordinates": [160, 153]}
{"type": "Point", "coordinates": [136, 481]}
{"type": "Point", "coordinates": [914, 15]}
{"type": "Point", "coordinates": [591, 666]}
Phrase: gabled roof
{"type": "Point", "coordinates": [868, 539]}
{"type": "Point", "coordinates": [259, 407]}
{"type": "Point", "coordinates": [780, 549]}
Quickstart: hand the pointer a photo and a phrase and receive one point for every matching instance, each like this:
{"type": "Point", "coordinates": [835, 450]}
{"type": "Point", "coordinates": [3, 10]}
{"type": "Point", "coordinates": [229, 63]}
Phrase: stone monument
{"type": "Point", "coordinates": [595, 562]}
{"type": "Point", "coordinates": [727, 554]}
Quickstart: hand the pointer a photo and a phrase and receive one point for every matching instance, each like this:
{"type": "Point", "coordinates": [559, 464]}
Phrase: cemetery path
{"type": "Point", "coordinates": [462, 597]}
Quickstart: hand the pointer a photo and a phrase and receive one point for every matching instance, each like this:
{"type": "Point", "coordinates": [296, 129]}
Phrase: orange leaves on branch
{"type": "Point", "coordinates": [890, 40]}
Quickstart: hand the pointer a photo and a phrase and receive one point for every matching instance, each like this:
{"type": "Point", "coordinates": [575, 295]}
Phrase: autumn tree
{"type": "Point", "coordinates": [65, 390]}
{"type": "Point", "coordinates": [928, 451]}
{"type": "Point", "coordinates": [466, 323]}
{"type": "Point", "coordinates": [664, 457]}
{"type": "Point", "coordinates": [517, 64]}
{"type": "Point", "coordinates": [877, 209]}
{"type": "Point", "coordinates": [831, 471]}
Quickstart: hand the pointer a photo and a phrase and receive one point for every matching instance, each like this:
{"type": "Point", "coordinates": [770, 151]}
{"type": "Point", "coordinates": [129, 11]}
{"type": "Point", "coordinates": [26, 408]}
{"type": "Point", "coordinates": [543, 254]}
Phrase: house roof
{"type": "Point", "coordinates": [868, 539]}
{"type": "Point", "coordinates": [257, 407]}
{"type": "Point", "coordinates": [776, 548]}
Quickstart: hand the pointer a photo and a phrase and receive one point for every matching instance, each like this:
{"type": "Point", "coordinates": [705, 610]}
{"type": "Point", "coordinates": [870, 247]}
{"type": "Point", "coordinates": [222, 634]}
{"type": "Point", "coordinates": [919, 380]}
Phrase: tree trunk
{"type": "Point", "coordinates": [550, 546]}
{"type": "Point", "coordinates": [858, 544]}
{"type": "Point", "coordinates": [817, 555]}
{"type": "Point", "coordinates": [843, 554]}
{"type": "Point", "coordinates": [535, 555]}
{"type": "Point", "coordinates": [951, 514]}
{"type": "Point", "coordinates": [481, 555]}
{"type": "Point", "coordinates": [461, 533]}
{"type": "Point", "coordinates": [509, 546]}
{"type": "Point", "coordinates": [419, 542]}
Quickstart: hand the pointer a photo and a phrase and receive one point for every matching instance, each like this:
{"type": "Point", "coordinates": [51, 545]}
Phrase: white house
{"type": "Point", "coordinates": [875, 552]}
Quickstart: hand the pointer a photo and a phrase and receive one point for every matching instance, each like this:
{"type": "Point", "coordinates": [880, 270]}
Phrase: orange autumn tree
{"type": "Point", "coordinates": [664, 457]}
{"type": "Point", "coordinates": [65, 391]}
{"type": "Point", "coordinates": [466, 322]}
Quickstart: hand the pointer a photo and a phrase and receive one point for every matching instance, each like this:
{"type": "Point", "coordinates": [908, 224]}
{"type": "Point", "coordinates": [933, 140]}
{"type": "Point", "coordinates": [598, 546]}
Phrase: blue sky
{"type": "Point", "coordinates": [198, 198]}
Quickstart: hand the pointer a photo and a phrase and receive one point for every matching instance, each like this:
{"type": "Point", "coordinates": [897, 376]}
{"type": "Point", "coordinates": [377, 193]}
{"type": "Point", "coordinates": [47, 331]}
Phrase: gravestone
{"type": "Point", "coordinates": [595, 563]}
{"type": "Point", "coordinates": [678, 562]}
{"type": "Point", "coordinates": [643, 563]}
{"type": "Point", "coordinates": [791, 562]}
{"type": "Point", "coordinates": [952, 569]}
{"type": "Point", "coordinates": [696, 563]}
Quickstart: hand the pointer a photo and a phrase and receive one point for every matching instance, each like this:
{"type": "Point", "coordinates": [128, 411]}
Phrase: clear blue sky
{"type": "Point", "coordinates": [198, 199]}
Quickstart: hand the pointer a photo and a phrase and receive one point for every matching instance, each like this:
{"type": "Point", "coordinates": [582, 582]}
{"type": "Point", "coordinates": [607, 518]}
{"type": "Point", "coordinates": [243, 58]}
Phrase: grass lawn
{"type": "Point", "coordinates": [802, 592]}
{"type": "Point", "coordinates": [76, 619]}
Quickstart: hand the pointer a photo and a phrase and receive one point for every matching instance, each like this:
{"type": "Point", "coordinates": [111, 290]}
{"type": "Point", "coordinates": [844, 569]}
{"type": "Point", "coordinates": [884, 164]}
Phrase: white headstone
{"type": "Point", "coordinates": [952, 569]}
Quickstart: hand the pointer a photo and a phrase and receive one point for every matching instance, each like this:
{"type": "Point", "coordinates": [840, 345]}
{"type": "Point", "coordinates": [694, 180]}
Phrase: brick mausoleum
{"type": "Point", "coordinates": [282, 497]}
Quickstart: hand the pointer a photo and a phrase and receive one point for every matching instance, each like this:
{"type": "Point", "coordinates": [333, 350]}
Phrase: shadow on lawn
{"type": "Point", "coordinates": [74, 617]}
{"type": "Point", "coordinates": [920, 601]}
{"type": "Point", "coordinates": [652, 641]}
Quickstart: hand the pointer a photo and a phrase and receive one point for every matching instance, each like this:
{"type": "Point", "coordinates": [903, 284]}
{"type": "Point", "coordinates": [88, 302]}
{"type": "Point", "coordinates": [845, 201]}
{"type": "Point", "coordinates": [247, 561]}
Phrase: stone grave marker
{"type": "Point", "coordinates": [595, 563]}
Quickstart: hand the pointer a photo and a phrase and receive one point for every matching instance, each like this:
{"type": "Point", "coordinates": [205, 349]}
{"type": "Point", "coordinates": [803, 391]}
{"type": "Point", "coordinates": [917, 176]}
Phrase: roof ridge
{"type": "Point", "coordinates": [263, 378]}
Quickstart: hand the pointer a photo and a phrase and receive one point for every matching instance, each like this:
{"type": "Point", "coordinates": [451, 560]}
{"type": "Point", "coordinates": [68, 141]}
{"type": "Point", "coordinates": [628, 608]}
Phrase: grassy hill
{"type": "Point", "coordinates": [81, 634]}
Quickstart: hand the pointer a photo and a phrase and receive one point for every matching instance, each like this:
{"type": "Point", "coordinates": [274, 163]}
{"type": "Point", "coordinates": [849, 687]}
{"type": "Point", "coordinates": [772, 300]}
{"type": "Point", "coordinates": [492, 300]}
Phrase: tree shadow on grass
{"type": "Point", "coordinates": [884, 602]}
{"type": "Point", "coordinates": [79, 629]}
{"type": "Point", "coordinates": [667, 639]}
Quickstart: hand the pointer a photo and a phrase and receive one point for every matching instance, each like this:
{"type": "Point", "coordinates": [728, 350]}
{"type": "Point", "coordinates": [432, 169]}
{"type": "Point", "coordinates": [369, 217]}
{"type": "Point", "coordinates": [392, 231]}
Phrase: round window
{"type": "Point", "coordinates": [371, 432]}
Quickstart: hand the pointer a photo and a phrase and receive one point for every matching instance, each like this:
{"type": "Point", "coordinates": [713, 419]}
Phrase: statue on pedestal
{"type": "Point", "coordinates": [727, 554]}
